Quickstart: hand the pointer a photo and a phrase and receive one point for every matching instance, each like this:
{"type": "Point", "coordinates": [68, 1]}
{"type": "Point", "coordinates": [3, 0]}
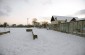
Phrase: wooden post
{"type": "Point", "coordinates": [82, 27]}
{"type": "Point", "coordinates": [34, 36]}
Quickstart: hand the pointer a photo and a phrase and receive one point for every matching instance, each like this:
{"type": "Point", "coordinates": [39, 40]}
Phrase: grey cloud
{"type": "Point", "coordinates": [1, 1]}
{"type": "Point", "coordinates": [5, 9]}
{"type": "Point", "coordinates": [26, 0]}
{"type": "Point", "coordinates": [81, 12]}
{"type": "Point", "coordinates": [2, 13]}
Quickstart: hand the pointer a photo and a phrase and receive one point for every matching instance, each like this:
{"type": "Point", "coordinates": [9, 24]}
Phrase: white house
{"type": "Point", "coordinates": [57, 20]}
{"type": "Point", "coordinates": [61, 19]}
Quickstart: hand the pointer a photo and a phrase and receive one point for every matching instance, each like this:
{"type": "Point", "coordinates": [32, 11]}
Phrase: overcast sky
{"type": "Point", "coordinates": [17, 11]}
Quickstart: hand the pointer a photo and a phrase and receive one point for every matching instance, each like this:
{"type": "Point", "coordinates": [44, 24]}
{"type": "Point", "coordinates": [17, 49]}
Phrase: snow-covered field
{"type": "Point", "coordinates": [49, 42]}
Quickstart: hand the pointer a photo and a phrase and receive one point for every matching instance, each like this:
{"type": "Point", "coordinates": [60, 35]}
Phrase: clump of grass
{"type": "Point", "coordinates": [34, 37]}
{"type": "Point", "coordinates": [1, 33]}
{"type": "Point", "coordinates": [28, 30]}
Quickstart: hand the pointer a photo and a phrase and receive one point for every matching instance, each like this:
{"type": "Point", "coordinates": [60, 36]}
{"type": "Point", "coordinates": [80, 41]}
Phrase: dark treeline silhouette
{"type": "Point", "coordinates": [20, 25]}
{"type": "Point", "coordinates": [42, 24]}
{"type": "Point", "coordinates": [35, 24]}
{"type": "Point", "coordinates": [5, 24]}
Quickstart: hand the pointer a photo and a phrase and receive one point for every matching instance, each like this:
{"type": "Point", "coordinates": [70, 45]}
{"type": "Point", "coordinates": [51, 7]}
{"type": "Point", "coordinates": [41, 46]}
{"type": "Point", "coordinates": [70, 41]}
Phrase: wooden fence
{"type": "Point", "coordinates": [77, 27]}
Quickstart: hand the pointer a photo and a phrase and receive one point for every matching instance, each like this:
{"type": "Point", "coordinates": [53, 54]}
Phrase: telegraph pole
{"type": "Point", "coordinates": [27, 21]}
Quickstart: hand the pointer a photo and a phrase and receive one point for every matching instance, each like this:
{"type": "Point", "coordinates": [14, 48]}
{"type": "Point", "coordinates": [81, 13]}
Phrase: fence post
{"type": "Point", "coordinates": [77, 28]}
{"type": "Point", "coordinates": [82, 27]}
{"type": "Point", "coordinates": [68, 27]}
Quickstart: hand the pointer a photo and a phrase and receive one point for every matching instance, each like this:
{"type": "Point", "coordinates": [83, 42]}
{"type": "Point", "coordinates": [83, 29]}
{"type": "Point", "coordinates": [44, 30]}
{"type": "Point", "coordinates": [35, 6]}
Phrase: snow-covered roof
{"type": "Point", "coordinates": [64, 18]}
{"type": "Point", "coordinates": [81, 18]}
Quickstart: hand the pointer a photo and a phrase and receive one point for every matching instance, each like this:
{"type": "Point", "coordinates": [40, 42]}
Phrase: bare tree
{"type": "Point", "coordinates": [5, 24]}
{"type": "Point", "coordinates": [13, 25]}
{"type": "Point", "coordinates": [44, 24]}
{"type": "Point", "coordinates": [34, 21]}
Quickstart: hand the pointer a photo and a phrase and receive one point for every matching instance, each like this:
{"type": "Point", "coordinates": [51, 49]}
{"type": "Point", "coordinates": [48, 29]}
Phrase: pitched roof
{"type": "Point", "coordinates": [81, 18]}
{"type": "Point", "coordinates": [52, 19]}
{"type": "Point", "coordinates": [64, 18]}
{"type": "Point", "coordinates": [73, 19]}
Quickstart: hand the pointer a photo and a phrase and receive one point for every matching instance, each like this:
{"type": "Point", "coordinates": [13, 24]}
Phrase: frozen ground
{"type": "Point", "coordinates": [49, 42]}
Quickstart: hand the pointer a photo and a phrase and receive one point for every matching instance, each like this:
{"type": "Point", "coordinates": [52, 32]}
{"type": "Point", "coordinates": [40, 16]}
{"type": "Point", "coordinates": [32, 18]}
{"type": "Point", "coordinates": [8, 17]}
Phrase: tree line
{"type": "Point", "coordinates": [35, 23]}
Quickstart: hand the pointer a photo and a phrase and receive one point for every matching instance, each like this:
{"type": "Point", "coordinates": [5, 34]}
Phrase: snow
{"type": "Point", "coordinates": [4, 29]}
{"type": "Point", "coordinates": [64, 18]}
{"type": "Point", "coordinates": [49, 42]}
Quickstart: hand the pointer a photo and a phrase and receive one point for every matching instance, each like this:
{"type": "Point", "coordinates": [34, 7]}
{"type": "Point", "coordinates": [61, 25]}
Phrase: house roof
{"type": "Point", "coordinates": [64, 18]}
{"type": "Point", "coordinates": [81, 18]}
{"type": "Point", "coordinates": [73, 19]}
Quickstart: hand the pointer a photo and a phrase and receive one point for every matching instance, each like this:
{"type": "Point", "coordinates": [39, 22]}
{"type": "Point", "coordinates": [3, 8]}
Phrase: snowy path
{"type": "Point", "coordinates": [49, 42]}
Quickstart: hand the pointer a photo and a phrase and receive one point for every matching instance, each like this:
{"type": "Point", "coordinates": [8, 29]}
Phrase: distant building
{"type": "Point", "coordinates": [62, 19]}
{"type": "Point", "coordinates": [73, 20]}
{"type": "Point", "coordinates": [57, 20]}
{"type": "Point", "coordinates": [66, 24]}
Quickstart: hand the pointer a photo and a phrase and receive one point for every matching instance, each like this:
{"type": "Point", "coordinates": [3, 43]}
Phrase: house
{"type": "Point", "coordinates": [81, 25]}
{"type": "Point", "coordinates": [57, 20]}
{"type": "Point", "coordinates": [73, 20]}
{"type": "Point", "coordinates": [66, 24]}
{"type": "Point", "coordinates": [62, 19]}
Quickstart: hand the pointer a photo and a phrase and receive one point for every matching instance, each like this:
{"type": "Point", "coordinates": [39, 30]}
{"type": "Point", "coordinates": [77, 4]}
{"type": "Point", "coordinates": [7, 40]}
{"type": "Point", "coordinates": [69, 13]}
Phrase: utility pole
{"type": "Point", "coordinates": [27, 21]}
